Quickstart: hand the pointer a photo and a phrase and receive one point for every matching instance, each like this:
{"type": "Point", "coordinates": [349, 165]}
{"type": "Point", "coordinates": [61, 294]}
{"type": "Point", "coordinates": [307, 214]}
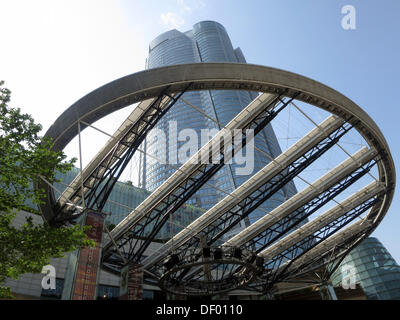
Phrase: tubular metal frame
{"type": "Point", "coordinates": [160, 83]}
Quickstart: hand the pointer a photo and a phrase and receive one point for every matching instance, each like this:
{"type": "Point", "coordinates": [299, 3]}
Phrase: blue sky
{"type": "Point", "coordinates": [54, 51]}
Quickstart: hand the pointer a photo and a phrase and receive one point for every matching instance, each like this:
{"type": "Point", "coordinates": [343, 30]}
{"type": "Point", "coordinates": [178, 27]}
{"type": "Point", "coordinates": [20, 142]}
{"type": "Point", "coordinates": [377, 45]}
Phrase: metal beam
{"type": "Point", "coordinates": [329, 179]}
{"type": "Point", "coordinates": [247, 189]}
{"type": "Point", "coordinates": [319, 252]}
{"type": "Point", "coordinates": [214, 76]}
{"type": "Point", "coordinates": [104, 153]}
{"type": "Point", "coordinates": [194, 173]}
{"type": "Point", "coordinates": [323, 220]}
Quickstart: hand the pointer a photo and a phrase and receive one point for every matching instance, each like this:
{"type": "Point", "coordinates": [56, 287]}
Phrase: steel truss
{"type": "Point", "coordinates": [218, 279]}
{"type": "Point", "coordinates": [246, 206]}
{"type": "Point", "coordinates": [278, 230]}
{"type": "Point", "coordinates": [99, 184]}
{"type": "Point", "coordinates": [133, 243]}
{"type": "Point", "coordinates": [274, 274]}
{"type": "Point", "coordinates": [300, 273]}
{"type": "Point", "coordinates": [111, 174]}
{"type": "Point", "coordinates": [163, 87]}
{"type": "Point", "coordinates": [339, 252]}
{"type": "Point", "coordinates": [272, 234]}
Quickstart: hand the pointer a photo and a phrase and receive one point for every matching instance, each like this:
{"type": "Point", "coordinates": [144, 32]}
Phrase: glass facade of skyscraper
{"type": "Point", "coordinates": [371, 266]}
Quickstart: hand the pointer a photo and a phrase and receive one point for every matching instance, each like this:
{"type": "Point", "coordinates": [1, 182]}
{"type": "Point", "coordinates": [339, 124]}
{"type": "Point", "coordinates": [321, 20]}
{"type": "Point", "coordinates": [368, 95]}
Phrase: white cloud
{"type": "Point", "coordinates": [172, 19]}
{"type": "Point", "coordinates": [185, 7]}
{"type": "Point", "coordinates": [188, 6]}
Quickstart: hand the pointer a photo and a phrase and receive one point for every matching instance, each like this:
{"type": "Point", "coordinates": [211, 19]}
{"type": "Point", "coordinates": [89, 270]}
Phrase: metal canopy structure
{"type": "Point", "coordinates": [204, 258]}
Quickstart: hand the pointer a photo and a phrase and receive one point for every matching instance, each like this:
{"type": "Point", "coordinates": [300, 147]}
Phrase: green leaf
{"type": "Point", "coordinates": [25, 156]}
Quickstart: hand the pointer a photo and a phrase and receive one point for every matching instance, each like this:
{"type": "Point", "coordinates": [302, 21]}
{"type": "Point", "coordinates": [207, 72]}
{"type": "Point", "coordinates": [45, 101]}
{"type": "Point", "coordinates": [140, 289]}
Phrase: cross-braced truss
{"type": "Point", "coordinates": [281, 245]}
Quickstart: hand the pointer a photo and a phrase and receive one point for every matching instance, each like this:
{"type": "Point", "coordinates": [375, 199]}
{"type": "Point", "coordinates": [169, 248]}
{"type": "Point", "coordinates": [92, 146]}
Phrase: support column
{"type": "Point", "coordinates": [87, 270]}
{"type": "Point", "coordinates": [131, 282]}
{"type": "Point", "coordinates": [327, 292]}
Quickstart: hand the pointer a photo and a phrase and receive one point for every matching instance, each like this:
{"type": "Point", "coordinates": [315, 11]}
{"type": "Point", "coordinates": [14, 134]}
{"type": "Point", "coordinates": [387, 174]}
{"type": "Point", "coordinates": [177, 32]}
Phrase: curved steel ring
{"type": "Point", "coordinates": [206, 287]}
{"type": "Point", "coordinates": [220, 76]}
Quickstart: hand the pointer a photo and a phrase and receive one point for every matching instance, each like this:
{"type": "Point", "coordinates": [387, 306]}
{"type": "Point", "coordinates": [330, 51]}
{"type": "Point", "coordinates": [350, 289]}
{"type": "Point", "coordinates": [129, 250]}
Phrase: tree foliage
{"type": "Point", "coordinates": [24, 156]}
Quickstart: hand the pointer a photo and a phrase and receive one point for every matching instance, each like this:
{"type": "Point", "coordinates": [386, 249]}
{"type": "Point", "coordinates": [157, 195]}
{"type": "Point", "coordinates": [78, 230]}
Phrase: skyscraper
{"type": "Point", "coordinates": [371, 266]}
{"type": "Point", "coordinates": [208, 41]}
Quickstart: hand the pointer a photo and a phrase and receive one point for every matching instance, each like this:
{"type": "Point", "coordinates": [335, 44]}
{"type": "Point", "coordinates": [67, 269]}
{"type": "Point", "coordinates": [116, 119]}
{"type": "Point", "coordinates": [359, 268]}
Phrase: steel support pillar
{"type": "Point", "coordinates": [131, 282]}
{"type": "Point", "coordinates": [327, 292]}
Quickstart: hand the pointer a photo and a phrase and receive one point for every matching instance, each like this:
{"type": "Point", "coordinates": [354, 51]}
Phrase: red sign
{"type": "Point", "coordinates": [88, 261]}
